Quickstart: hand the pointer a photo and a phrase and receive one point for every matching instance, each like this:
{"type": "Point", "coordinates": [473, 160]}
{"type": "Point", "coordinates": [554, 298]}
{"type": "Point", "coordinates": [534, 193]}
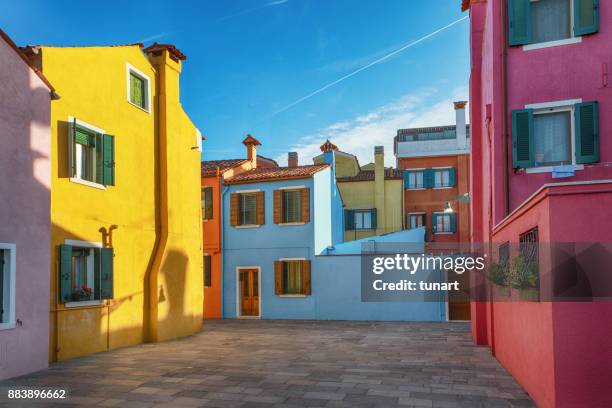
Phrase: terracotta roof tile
{"type": "Point", "coordinates": [156, 49]}
{"type": "Point", "coordinates": [368, 175]}
{"type": "Point", "coordinates": [251, 140]}
{"type": "Point", "coordinates": [209, 167]}
{"type": "Point", "coordinates": [276, 173]}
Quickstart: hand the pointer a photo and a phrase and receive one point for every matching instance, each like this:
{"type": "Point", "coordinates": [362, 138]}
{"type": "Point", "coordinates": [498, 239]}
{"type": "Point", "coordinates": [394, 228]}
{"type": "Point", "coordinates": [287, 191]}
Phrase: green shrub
{"type": "Point", "coordinates": [523, 274]}
{"type": "Point", "coordinates": [498, 274]}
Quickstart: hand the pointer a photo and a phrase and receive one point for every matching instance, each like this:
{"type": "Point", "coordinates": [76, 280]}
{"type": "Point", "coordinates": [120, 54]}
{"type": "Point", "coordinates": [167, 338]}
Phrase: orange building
{"type": "Point", "coordinates": [214, 172]}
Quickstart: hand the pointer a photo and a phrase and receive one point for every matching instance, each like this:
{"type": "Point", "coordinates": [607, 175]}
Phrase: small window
{"type": "Point", "coordinates": [414, 180]}
{"type": "Point", "coordinates": [292, 277]}
{"type": "Point", "coordinates": [91, 154]}
{"type": "Point", "coordinates": [363, 220]}
{"type": "Point", "coordinates": [292, 208]}
{"type": "Point", "coordinates": [504, 254]}
{"type": "Point", "coordinates": [442, 178]}
{"type": "Point", "coordinates": [416, 220]}
{"type": "Point", "coordinates": [207, 203]}
{"type": "Point", "coordinates": [138, 88]}
{"type": "Point", "coordinates": [551, 20]}
{"type": "Point", "coordinates": [444, 223]}
{"type": "Point", "coordinates": [552, 138]}
{"type": "Point", "coordinates": [7, 285]}
{"type": "Point", "coordinates": [248, 209]}
{"type": "Point", "coordinates": [207, 271]}
{"type": "Point", "coordinates": [86, 273]}
{"type": "Point", "coordinates": [529, 245]}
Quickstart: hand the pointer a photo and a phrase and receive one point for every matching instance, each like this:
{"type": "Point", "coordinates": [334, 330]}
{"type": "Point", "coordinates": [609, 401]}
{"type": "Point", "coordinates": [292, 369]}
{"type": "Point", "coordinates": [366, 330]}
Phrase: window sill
{"type": "Point", "coordinates": [442, 188]}
{"type": "Point", "coordinates": [290, 224]}
{"type": "Point", "coordinates": [247, 226]}
{"type": "Point", "coordinates": [7, 326]}
{"type": "Point", "coordinates": [292, 296]}
{"type": "Point", "coordinates": [83, 303]}
{"type": "Point", "coordinates": [549, 169]}
{"type": "Point", "coordinates": [416, 189]}
{"type": "Point", "coordinates": [444, 233]}
{"type": "Point", "coordinates": [548, 44]}
{"type": "Point", "coordinates": [87, 183]}
{"type": "Point", "coordinates": [139, 107]}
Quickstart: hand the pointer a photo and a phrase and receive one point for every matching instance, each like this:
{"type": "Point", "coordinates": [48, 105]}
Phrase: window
{"type": "Point", "coordinates": [138, 85]}
{"type": "Point", "coordinates": [443, 223]}
{"type": "Point", "coordinates": [86, 273]}
{"type": "Point", "coordinates": [550, 20]}
{"type": "Point", "coordinates": [207, 203]}
{"type": "Point", "coordinates": [292, 277]}
{"type": "Point", "coordinates": [442, 178]}
{"type": "Point", "coordinates": [91, 154]}
{"type": "Point", "coordinates": [528, 246]}
{"type": "Point", "coordinates": [552, 138]}
{"type": "Point", "coordinates": [292, 209]}
{"type": "Point", "coordinates": [555, 133]}
{"type": "Point", "coordinates": [7, 285]}
{"type": "Point", "coordinates": [363, 219]}
{"type": "Point", "coordinates": [504, 254]}
{"type": "Point", "coordinates": [416, 220]}
{"type": "Point", "coordinates": [248, 208]}
{"type": "Point", "coordinates": [207, 271]}
{"type": "Point", "coordinates": [414, 180]}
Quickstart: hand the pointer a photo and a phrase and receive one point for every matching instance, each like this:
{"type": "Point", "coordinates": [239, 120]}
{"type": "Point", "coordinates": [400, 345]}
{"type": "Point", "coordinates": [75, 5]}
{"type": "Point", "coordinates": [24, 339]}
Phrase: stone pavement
{"type": "Point", "coordinates": [283, 364]}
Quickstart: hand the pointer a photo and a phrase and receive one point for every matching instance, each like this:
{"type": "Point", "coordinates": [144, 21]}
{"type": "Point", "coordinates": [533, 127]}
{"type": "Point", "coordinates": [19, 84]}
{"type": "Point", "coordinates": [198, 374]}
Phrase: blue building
{"type": "Point", "coordinates": [283, 255]}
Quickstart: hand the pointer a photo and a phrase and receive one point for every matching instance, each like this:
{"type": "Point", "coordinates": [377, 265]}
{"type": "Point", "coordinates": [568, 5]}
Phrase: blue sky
{"type": "Point", "coordinates": [249, 59]}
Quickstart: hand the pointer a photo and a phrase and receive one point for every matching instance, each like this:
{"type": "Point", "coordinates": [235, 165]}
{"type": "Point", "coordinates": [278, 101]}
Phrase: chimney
{"type": "Point", "coordinates": [379, 187]}
{"type": "Point", "coordinates": [461, 129]}
{"type": "Point", "coordinates": [251, 144]}
{"type": "Point", "coordinates": [292, 159]}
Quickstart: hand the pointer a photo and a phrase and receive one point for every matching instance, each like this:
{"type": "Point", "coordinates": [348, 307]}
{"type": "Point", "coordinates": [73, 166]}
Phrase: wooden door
{"type": "Point", "coordinates": [249, 292]}
{"type": "Point", "coordinates": [459, 302]}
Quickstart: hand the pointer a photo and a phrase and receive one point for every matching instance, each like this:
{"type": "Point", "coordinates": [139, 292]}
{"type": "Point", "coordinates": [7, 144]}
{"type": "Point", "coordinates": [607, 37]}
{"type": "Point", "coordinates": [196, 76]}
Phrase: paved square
{"type": "Point", "coordinates": [283, 364]}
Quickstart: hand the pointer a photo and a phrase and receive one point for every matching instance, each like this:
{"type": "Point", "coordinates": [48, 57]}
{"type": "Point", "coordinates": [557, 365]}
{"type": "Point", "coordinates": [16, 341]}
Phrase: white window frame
{"type": "Point", "coordinates": [131, 69]}
{"type": "Point", "coordinates": [435, 169]}
{"type": "Point", "coordinates": [439, 213]}
{"type": "Point", "coordinates": [293, 260]}
{"type": "Point", "coordinates": [410, 214]}
{"type": "Point", "coordinates": [90, 271]}
{"type": "Point", "coordinates": [291, 188]}
{"type": "Point", "coordinates": [422, 171]}
{"type": "Point", "coordinates": [553, 107]}
{"type": "Point", "coordinates": [547, 44]}
{"type": "Point", "coordinates": [76, 178]}
{"type": "Point", "coordinates": [10, 288]}
{"type": "Point", "coordinates": [238, 300]}
{"type": "Point", "coordinates": [362, 211]}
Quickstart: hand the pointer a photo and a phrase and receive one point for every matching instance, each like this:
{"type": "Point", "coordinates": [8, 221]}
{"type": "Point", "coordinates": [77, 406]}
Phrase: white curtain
{"type": "Point", "coordinates": [552, 138]}
{"type": "Point", "coordinates": [550, 20]}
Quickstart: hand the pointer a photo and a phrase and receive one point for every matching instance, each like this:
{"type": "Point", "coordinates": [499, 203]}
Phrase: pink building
{"type": "Point", "coordinates": [541, 171]}
{"type": "Point", "coordinates": [25, 178]}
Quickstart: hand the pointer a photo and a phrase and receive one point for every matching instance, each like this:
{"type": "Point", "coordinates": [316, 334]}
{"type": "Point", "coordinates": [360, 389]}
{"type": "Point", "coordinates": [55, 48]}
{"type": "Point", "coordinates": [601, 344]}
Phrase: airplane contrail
{"type": "Point", "coordinates": [379, 60]}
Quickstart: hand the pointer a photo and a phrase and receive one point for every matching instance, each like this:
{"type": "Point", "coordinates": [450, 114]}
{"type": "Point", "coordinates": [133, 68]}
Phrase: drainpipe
{"type": "Point", "coordinates": [221, 199]}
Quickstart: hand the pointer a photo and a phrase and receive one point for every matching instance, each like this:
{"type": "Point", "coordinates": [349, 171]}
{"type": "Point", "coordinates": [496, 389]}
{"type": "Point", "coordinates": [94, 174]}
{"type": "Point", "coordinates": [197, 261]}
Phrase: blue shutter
{"type": "Point", "coordinates": [65, 273]}
{"type": "Point", "coordinates": [428, 178]}
{"type": "Point", "coordinates": [374, 218]}
{"type": "Point", "coordinates": [587, 132]}
{"type": "Point", "coordinates": [586, 17]}
{"type": "Point", "coordinates": [349, 220]}
{"type": "Point", "coordinates": [522, 138]}
{"type": "Point", "coordinates": [406, 174]}
{"type": "Point", "coordinates": [103, 273]}
{"type": "Point", "coordinates": [453, 222]}
{"type": "Point", "coordinates": [108, 150]}
{"type": "Point", "coordinates": [452, 177]}
{"type": "Point", "coordinates": [519, 22]}
{"type": "Point", "coordinates": [434, 222]}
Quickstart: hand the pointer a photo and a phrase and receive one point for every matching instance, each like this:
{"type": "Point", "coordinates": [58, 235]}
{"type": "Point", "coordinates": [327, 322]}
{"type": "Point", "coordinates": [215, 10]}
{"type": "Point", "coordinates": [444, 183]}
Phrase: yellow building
{"type": "Point", "coordinates": [125, 199]}
{"type": "Point", "coordinates": [372, 195]}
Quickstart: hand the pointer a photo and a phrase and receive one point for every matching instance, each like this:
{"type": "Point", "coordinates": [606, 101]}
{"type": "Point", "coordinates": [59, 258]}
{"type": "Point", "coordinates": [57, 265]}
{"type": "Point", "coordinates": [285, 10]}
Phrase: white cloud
{"type": "Point", "coordinates": [430, 107]}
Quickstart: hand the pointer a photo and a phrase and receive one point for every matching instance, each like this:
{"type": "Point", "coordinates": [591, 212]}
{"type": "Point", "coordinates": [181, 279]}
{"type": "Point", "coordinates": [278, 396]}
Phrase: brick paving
{"type": "Point", "coordinates": [285, 364]}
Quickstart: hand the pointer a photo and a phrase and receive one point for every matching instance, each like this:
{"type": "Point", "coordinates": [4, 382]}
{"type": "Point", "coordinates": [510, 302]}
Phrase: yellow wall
{"type": "Point", "coordinates": [346, 165]}
{"type": "Point", "coordinates": [91, 82]}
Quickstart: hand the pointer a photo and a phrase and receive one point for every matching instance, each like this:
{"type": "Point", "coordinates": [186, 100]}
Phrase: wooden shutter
{"type": "Point", "coordinates": [406, 176]}
{"type": "Point", "coordinates": [519, 22]}
{"type": "Point", "coordinates": [429, 178]}
{"type": "Point", "coordinates": [99, 171]}
{"type": "Point", "coordinates": [234, 209]}
{"type": "Point", "coordinates": [586, 17]}
{"type": "Point", "coordinates": [587, 132]}
{"type": "Point", "coordinates": [278, 206]}
{"type": "Point", "coordinates": [349, 220]}
{"type": "Point", "coordinates": [108, 153]}
{"type": "Point", "coordinates": [452, 177]}
{"type": "Point", "coordinates": [71, 148]}
{"type": "Point", "coordinates": [453, 222]}
{"type": "Point", "coordinates": [278, 277]}
{"type": "Point", "coordinates": [103, 273]}
{"type": "Point", "coordinates": [374, 217]}
{"type": "Point", "coordinates": [208, 203]}
{"type": "Point", "coordinates": [306, 277]}
{"type": "Point", "coordinates": [434, 222]}
{"type": "Point", "coordinates": [261, 208]}
{"type": "Point", "coordinates": [522, 138]}
{"type": "Point", "coordinates": [305, 204]}
{"type": "Point", "coordinates": [65, 273]}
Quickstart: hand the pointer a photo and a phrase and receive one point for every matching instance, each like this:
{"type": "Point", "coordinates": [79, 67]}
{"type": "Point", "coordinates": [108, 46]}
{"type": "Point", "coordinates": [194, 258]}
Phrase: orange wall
{"type": "Point", "coordinates": [430, 200]}
{"type": "Point", "coordinates": [212, 246]}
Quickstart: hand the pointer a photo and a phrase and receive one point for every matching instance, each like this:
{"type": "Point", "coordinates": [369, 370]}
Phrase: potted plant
{"type": "Point", "coordinates": [81, 294]}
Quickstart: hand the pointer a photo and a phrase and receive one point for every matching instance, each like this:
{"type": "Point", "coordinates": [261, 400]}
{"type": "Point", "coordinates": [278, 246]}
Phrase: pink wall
{"type": "Point", "coordinates": [24, 214]}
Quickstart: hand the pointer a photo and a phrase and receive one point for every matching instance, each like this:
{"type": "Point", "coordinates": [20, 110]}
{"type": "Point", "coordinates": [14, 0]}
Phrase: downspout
{"type": "Point", "coordinates": [504, 79]}
{"type": "Point", "coordinates": [161, 206]}
{"type": "Point", "coordinates": [221, 201]}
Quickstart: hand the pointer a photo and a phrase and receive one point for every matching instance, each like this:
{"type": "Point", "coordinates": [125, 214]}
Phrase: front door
{"type": "Point", "coordinates": [459, 301]}
{"type": "Point", "coordinates": [249, 292]}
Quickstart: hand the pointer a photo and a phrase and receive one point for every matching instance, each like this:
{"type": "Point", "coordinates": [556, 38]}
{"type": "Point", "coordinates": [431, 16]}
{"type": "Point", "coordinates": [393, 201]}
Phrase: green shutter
{"type": "Point", "coordinates": [65, 273]}
{"type": "Point", "coordinates": [374, 218]}
{"type": "Point", "coordinates": [587, 132]}
{"type": "Point", "coordinates": [71, 148]}
{"type": "Point", "coordinates": [453, 222]}
{"type": "Point", "coordinates": [208, 210]}
{"type": "Point", "coordinates": [452, 177]}
{"type": "Point", "coordinates": [349, 220]}
{"type": "Point", "coordinates": [586, 17]}
{"type": "Point", "coordinates": [108, 154]}
{"type": "Point", "coordinates": [137, 92]}
{"type": "Point", "coordinates": [103, 258]}
{"type": "Point", "coordinates": [99, 176]}
{"type": "Point", "coordinates": [522, 138]}
{"type": "Point", "coordinates": [519, 22]}
{"type": "Point", "coordinates": [434, 222]}
{"type": "Point", "coordinates": [429, 178]}
{"type": "Point", "coordinates": [406, 174]}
